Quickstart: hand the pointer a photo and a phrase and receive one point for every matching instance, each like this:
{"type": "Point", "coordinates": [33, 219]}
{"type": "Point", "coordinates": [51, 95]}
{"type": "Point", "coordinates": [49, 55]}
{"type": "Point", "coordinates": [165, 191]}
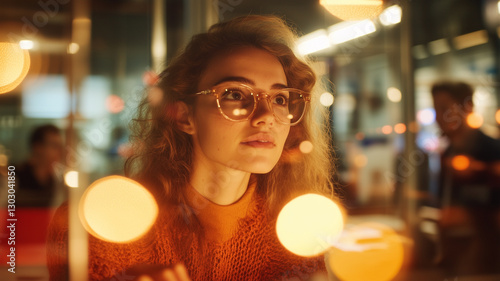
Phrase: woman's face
{"type": "Point", "coordinates": [254, 145]}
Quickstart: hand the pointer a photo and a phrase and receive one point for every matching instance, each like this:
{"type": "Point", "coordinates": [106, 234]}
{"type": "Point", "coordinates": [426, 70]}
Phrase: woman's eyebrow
{"type": "Point", "coordinates": [247, 81]}
{"type": "Point", "coordinates": [235, 79]}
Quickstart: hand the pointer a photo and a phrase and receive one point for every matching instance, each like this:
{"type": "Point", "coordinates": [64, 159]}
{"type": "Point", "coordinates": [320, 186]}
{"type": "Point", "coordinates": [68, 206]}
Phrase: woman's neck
{"type": "Point", "coordinates": [218, 183]}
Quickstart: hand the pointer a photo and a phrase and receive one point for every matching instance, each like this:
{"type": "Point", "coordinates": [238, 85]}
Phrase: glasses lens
{"type": "Point", "coordinates": [288, 106]}
{"type": "Point", "coordinates": [236, 101]}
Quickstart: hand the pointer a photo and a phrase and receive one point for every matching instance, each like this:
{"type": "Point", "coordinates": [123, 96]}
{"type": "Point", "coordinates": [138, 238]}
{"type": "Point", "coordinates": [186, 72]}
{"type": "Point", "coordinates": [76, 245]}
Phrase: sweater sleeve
{"type": "Point", "coordinates": [284, 265]}
{"type": "Point", "coordinates": [57, 245]}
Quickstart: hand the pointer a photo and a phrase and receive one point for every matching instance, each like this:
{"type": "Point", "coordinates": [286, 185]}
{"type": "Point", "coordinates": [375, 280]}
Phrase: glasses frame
{"type": "Point", "coordinates": [257, 96]}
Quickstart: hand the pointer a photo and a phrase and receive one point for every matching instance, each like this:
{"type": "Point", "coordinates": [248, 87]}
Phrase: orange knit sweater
{"type": "Point", "coordinates": [238, 243]}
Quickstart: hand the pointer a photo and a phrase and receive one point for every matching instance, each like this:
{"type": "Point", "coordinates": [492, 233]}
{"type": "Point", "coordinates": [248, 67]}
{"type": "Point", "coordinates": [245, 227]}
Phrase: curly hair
{"type": "Point", "coordinates": [163, 154]}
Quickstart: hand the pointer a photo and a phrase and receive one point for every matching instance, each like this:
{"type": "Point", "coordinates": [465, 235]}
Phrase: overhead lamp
{"type": "Point", "coordinates": [349, 30]}
{"type": "Point", "coordinates": [353, 9]}
{"type": "Point", "coordinates": [391, 15]}
{"type": "Point", "coordinates": [313, 42]}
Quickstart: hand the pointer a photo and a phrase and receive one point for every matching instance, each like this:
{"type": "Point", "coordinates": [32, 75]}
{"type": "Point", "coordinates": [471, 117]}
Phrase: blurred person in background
{"type": "Point", "coordinates": [220, 153]}
{"type": "Point", "coordinates": [37, 182]}
{"type": "Point", "coordinates": [469, 192]}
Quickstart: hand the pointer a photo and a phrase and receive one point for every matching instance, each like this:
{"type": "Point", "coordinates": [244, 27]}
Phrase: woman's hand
{"type": "Point", "coordinates": [177, 273]}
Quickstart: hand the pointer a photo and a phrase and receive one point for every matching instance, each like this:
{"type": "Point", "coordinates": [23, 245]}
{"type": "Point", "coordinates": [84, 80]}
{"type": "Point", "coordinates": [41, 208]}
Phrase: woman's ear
{"type": "Point", "coordinates": [183, 118]}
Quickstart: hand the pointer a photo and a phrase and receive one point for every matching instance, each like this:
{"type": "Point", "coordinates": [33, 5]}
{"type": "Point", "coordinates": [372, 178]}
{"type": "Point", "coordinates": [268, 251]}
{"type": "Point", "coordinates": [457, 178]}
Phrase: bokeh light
{"type": "Point", "coordinates": [114, 104]}
{"type": "Point", "coordinates": [497, 116]}
{"type": "Point", "coordinates": [359, 136]}
{"type": "Point", "coordinates": [474, 120]}
{"type": "Point", "coordinates": [306, 147]}
{"type": "Point", "coordinates": [326, 99]}
{"type": "Point", "coordinates": [73, 48]}
{"type": "Point", "coordinates": [368, 251]}
{"type": "Point", "coordinates": [394, 94]}
{"type": "Point", "coordinates": [399, 128]}
{"type": "Point", "coordinates": [155, 96]}
{"type": "Point", "coordinates": [14, 65]}
{"type": "Point", "coordinates": [460, 162]}
{"type": "Point", "coordinates": [26, 44]}
{"type": "Point", "coordinates": [150, 78]}
{"type": "Point", "coordinates": [387, 129]}
{"type": "Point", "coordinates": [71, 179]}
{"type": "Point", "coordinates": [309, 224]}
{"type": "Point", "coordinates": [117, 209]}
{"type": "Point", "coordinates": [360, 160]}
{"type": "Point", "coordinates": [3, 160]}
{"type": "Point", "coordinates": [426, 116]}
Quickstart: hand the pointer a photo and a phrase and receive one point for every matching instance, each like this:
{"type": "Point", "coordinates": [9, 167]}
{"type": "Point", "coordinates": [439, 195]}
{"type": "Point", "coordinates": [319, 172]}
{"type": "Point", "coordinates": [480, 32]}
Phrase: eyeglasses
{"type": "Point", "coordinates": [237, 102]}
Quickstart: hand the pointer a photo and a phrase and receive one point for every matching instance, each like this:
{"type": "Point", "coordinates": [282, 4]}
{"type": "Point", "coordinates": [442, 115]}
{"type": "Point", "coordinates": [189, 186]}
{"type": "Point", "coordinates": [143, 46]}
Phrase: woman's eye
{"type": "Point", "coordinates": [281, 100]}
{"type": "Point", "coordinates": [234, 95]}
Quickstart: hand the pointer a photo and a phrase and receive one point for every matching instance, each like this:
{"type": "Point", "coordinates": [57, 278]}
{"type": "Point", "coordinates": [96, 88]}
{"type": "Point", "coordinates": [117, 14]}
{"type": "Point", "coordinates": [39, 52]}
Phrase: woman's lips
{"type": "Point", "coordinates": [260, 140]}
{"type": "Point", "coordinates": [260, 144]}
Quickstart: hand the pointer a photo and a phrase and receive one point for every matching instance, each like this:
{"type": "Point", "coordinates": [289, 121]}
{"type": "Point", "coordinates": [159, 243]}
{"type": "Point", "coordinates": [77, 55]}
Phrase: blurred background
{"type": "Point", "coordinates": [83, 65]}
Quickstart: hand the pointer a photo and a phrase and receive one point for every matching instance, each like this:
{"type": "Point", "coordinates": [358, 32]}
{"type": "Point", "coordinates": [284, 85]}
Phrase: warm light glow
{"type": "Point", "coordinates": [360, 136]}
{"type": "Point", "coordinates": [387, 129]}
{"type": "Point", "coordinates": [3, 160]}
{"type": "Point", "coordinates": [413, 127]}
{"type": "Point", "coordinates": [73, 48]}
{"type": "Point", "coordinates": [114, 104]}
{"type": "Point", "coordinates": [498, 6]}
{"type": "Point", "coordinates": [391, 15]}
{"type": "Point", "coordinates": [360, 160]}
{"type": "Point", "coordinates": [155, 96]}
{"type": "Point", "coordinates": [353, 9]}
{"type": "Point", "coordinates": [26, 44]}
{"type": "Point", "coordinates": [368, 251]}
{"type": "Point", "coordinates": [306, 147]}
{"type": "Point", "coordinates": [117, 209]}
{"type": "Point", "coordinates": [326, 99]}
{"type": "Point", "coordinates": [313, 42]}
{"type": "Point", "coordinates": [426, 116]}
{"type": "Point", "coordinates": [14, 65]}
{"type": "Point", "coordinates": [309, 224]}
{"type": "Point", "coordinates": [460, 162]}
{"type": "Point", "coordinates": [394, 94]}
{"type": "Point", "coordinates": [150, 78]}
{"type": "Point", "coordinates": [71, 179]}
{"type": "Point", "coordinates": [399, 128]}
{"type": "Point", "coordinates": [497, 116]}
{"type": "Point", "coordinates": [439, 47]}
{"type": "Point", "coordinates": [346, 31]}
{"type": "Point", "coordinates": [471, 39]}
{"type": "Point", "coordinates": [474, 120]}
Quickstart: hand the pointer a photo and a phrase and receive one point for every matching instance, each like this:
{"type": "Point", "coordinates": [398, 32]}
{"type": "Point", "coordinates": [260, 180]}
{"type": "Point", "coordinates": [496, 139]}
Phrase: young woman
{"type": "Point", "coordinates": [220, 152]}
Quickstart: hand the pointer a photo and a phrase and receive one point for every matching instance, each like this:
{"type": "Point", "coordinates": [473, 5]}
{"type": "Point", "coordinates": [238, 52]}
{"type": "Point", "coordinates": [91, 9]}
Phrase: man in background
{"type": "Point", "coordinates": [469, 191]}
{"type": "Point", "coordinates": [37, 181]}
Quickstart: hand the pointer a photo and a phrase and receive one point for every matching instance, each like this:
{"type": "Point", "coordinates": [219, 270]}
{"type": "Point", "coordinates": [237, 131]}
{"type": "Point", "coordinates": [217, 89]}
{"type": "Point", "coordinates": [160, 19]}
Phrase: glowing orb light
{"type": "Point", "coordinates": [387, 129]}
{"type": "Point", "coordinates": [326, 99]}
{"type": "Point", "coordinates": [426, 116]}
{"type": "Point", "coordinates": [114, 104]}
{"type": "Point", "coordinates": [460, 162]}
{"type": "Point", "coordinates": [367, 251]}
{"type": "Point", "coordinates": [400, 128]}
{"type": "Point", "coordinates": [71, 179]}
{"type": "Point", "coordinates": [474, 120]}
{"type": "Point", "coordinates": [117, 209]}
{"type": "Point", "coordinates": [14, 65]}
{"type": "Point", "coordinates": [394, 94]}
{"type": "Point", "coordinates": [309, 224]}
{"type": "Point", "coordinates": [306, 147]}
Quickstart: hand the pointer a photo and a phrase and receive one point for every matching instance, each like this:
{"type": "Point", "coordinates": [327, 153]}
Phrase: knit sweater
{"type": "Point", "coordinates": [238, 242]}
